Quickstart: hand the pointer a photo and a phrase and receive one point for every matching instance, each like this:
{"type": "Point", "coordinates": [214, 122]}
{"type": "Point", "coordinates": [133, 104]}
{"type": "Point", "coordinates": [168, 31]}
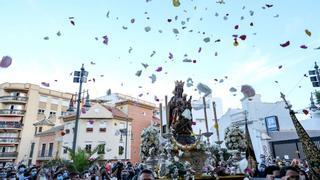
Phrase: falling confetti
{"type": "Point", "coordinates": [58, 33]}
{"type": "Point", "coordinates": [147, 29]}
{"type": "Point", "coordinates": [303, 47]}
{"type": "Point", "coordinates": [5, 61]}
{"type": "Point", "coordinates": [153, 53]}
{"type": "Point", "coordinates": [306, 112]}
{"type": "Point", "coordinates": [156, 98]}
{"type": "Point", "coordinates": [236, 27]}
{"type": "Point", "coordinates": [285, 44]}
{"type": "Point", "coordinates": [206, 40]}
{"type": "Point", "coordinates": [108, 13]}
{"type": "Point", "coordinates": [153, 78]}
{"type": "Point", "coordinates": [247, 91]}
{"type": "Point", "coordinates": [280, 66]}
{"type": "Point", "coordinates": [199, 50]}
{"type": "Point", "coordinates": [251, 13]}
{"type": "Point", "coordinates": [318, 48]}
{"type": "Point", "coordinates": [233, 90]}
{"type": "Point", "coordinates": [72, 22]}
{"type": "Point", "coordinates": [105, 40]}
{"type": "Point", "coordinates": [276, 16]}
{"type": "Point", "coordinates": [176, 3]}
{"type": "Point", "coordinates": [235, 43]}
{"type": "Point", "coordinates": [145, 65]}
{"type": "Point", "coordinates": [140, 95]}
{"type": "Point", "coordinates": [308, 32]}
{"type": "Point", "coordinates": [92, 63]}
{"type": "Point", "coordinates": [132, 20]}
{"type": "Point", "coordinates": [170, 55]}
{"type": "Point", "coordinates": [218, 40]}
{"type": "Point", "coordinates": [124, 27]}
{"type": "Point", "coordinates": [269, 5]}
{"type": "Point", "coordinates": [175, 31]}
{"type": "Point", "coordinates": [46, 38]}
{"type": "Point", "coordinates": [202, 88]}
{"type": "Point", "coordinates": [138, 73]}
{"type": "Point", "coordinates": [187, 60]}
{"type": "Point", "coordinates": [130, 49]}
{"type": "Point", "coordinates": [159, 69]}
{"type": "Point", "coordinates": [243, 37]}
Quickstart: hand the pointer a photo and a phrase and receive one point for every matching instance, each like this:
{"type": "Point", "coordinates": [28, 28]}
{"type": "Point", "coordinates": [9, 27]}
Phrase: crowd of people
{"type": "Point", "coordinates": [296, 170]}
{"type": "Point", "coordinates": [108, 171]}
{"type": "Point", "coordinates": [284, 169]}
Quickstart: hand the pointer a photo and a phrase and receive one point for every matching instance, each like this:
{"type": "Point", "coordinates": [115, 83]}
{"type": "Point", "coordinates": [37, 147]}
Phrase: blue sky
{"type": "Point", "coordinates": [24, 24]}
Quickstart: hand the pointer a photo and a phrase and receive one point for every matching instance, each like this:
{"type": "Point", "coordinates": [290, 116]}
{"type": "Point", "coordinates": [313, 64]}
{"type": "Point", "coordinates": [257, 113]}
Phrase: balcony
{"type": "Point", "coordinates": [45, 155]}
{"type": "Point", "coordinates": [13, 99]}
{"type": "Point", "coordinates": [12, 112]}
{"type": "Point", "coordinates": [9, 140]}
{"type": "Point", "coordinates": [8, 155]}
{"type": "Point", "coordinates": [10, 126]}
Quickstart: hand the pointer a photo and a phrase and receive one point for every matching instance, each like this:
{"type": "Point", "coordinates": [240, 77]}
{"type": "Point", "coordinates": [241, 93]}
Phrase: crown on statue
{"type": "Point", "coordinates": [179, 83]}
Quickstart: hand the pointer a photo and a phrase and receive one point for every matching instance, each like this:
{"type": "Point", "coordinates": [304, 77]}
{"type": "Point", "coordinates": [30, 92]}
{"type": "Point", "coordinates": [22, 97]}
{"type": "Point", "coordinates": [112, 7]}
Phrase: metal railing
{"type": "Point", "coordinates": [12, 111]}
{"type": "Point", "coordinates": [10, 125]}
{"type": "Point", "coordinates": [8, 154]}
{"type": "Point", "coordinates": [45, 154]}
{"type": "Point", "coordinates": [9, 139]}
{"type": "Point", "coordinates": [13, 98]}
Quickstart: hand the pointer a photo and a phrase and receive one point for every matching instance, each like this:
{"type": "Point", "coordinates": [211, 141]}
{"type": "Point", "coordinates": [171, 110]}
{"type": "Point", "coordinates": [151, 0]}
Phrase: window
{"type": "Point", "coordinates": [67, 131]}
{"type": "Point", "coordinates": [40, 129]}
{"type": "Point", "coordinates": [89, 129]}
{"type": "Point", "coordinates": [65, 151]}
{"type": "Point", "coordinates": [41, 111]}
{"type": "Point", "coordinates": [103, 126]}
{"type": "Point", "coordinates": [63, 113]}
{"type": "Point", "coordinates": [88, 147]}
{"type": "Point", "coordinates": [43, 150]}
{"type": "Point", "coordinates": [121, 150]}
{"type": "Point", "coordinates": [31, 150]}
{"type": "Point", "coordinates": [50, 149]}
{"type": "Point", "coordinates": [52, 113]}
{"type": "Point", "coordinates": [101, 149]}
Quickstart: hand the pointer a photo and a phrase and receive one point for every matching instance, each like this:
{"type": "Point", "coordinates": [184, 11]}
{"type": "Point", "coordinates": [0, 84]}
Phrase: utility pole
{"type": "Point", "coordinates": [79, 77]}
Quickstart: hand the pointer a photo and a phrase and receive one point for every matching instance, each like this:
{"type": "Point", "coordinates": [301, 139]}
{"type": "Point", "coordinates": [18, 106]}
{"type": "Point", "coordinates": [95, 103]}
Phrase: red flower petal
{"type": "Point", "coordinates": [243, 37]}
{"type": "Point", "coordinates": [303, 47]}
{"type": "Point", "coordinates": [285, 44]}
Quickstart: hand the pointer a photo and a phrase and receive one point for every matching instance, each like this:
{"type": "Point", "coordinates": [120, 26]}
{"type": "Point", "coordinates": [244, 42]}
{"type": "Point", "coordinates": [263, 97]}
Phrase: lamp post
{"type": "Point", "coordinates": [79, 77]}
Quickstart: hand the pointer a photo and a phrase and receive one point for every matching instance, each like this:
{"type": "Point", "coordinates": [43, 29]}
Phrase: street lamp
{"type": "Point", "coordinates": [79, 77]}
{"type": "Point", "coordinates": [314, 76]}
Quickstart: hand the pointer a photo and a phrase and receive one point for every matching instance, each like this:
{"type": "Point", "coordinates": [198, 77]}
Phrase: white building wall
{"type": "Point", "coordinates": [111, 138]}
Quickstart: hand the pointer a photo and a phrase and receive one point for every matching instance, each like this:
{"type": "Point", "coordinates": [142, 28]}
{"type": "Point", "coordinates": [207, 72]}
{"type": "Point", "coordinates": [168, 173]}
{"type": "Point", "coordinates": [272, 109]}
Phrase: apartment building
{"type": "Point", "coordinates": [21, 106]}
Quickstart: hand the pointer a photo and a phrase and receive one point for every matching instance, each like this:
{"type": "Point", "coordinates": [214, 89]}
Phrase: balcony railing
{"type": "Point", "coordinates": [9, 139]}
{"type": "Point", "coordinates": [8, 154]}
{"type": "Point", "coordinates": [45, 154]}
{"type": "Point", "coordinates": [12, 112]}
{"type": "Point", "coordinates": [13, 98]}
{"type": "Point", "coordinates": [15, 125]}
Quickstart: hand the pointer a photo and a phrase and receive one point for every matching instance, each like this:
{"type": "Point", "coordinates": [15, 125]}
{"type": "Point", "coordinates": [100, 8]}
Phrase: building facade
{"type": "Point", "coordinates": [142, 113]}
{"type": "Point", "coordinates": [103, 126]}
{"type": "Point", "coordinates": [270, 126]}
{"type": "Point", "coordinates": [49, 145]}
{"type": "Point", "coordinates": [22, 105]}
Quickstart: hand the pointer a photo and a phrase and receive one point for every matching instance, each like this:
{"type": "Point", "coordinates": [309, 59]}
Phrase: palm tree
{"type": "Point", "coordinates": [80, 160]}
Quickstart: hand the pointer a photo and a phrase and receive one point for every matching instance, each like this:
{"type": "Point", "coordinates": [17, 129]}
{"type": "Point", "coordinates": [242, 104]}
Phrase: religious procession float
{"type": "Point", "coordinates": [176, 152]}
